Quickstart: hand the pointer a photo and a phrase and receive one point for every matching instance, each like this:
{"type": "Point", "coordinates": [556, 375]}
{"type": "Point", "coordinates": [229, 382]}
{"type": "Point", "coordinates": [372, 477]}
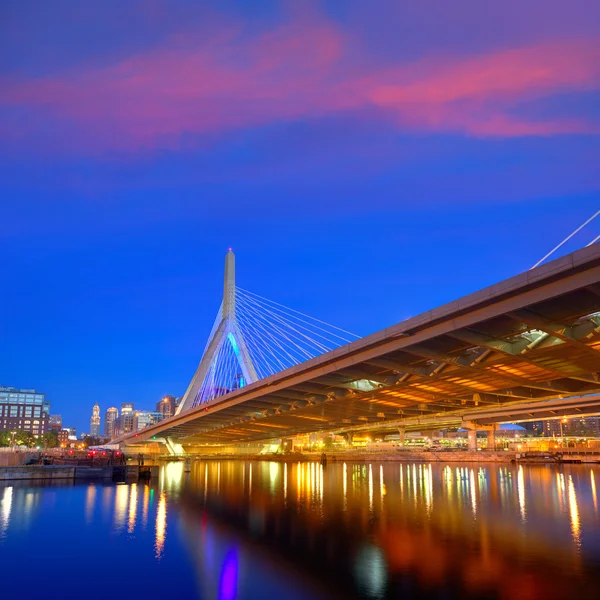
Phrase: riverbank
{"type": "Point", "coordinates": [50, 472]}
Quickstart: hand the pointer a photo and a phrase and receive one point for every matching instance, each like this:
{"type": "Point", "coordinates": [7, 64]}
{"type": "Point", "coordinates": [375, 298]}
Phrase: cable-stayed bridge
{"type": "Point", "coordinates": [530, 344]}
{"type": "Point", "coordinates": [253, 338]}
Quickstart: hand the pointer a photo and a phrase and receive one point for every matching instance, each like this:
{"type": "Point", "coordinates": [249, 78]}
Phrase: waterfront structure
{"type": "Point", "coordinates": [110, 417]}
{"type": "Point", "coordinates": [167, 406]}
{"type": "Point", "coordinates": [95, 421]}
{"type": "Point", "coordinates": [526, 348]}
{"type": "Point", "coordinates": [24, 409]}
{"type": "Point", "coordinates": [55, 422]}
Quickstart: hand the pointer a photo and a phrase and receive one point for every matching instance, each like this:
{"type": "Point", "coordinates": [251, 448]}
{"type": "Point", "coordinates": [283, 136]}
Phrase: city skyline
{"type": "Point", "coordinates": [361, 176]}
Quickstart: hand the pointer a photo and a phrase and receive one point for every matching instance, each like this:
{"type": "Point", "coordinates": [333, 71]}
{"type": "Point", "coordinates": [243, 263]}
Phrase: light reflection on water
{"type": "Point", "coordinates": [352, 530]}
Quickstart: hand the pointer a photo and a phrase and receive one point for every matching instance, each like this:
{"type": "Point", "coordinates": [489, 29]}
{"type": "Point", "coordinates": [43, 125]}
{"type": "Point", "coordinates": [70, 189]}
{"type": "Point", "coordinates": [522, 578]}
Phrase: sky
{"type": "Point", "coordinates": [366, 161]}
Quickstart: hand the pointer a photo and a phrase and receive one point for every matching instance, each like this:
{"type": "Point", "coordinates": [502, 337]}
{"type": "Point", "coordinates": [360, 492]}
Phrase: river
{"type": "Point", "coordinates": [233, 530]}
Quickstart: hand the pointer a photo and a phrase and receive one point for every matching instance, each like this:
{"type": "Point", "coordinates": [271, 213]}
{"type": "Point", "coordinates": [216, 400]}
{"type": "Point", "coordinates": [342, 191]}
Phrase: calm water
{"type": "Point", "coordinates": [296, 531]}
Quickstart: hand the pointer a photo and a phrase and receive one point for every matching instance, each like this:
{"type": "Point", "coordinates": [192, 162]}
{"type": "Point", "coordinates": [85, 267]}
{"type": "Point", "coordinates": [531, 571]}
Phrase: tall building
{"type": "Point", "coordinates": [126, 407]}
{"type": "Point", "coordinates": [144, 418]}
{"type": "Point", "coordinates": [55, 422]}
{"type": "Point", "coordinates": [24, 409]}
{"type": "Point", "coordinates": [123, 423]}
{"type": "Point", "coordinates": [95, 421]}
{"type": "Point", "coordinates": [166, 406]}
{"type": "Point", "coordinates": [111, 415]}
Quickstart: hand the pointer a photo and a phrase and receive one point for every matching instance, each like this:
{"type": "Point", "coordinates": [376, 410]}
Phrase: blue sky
{"type": "Point", "coordinates": [364, 166]}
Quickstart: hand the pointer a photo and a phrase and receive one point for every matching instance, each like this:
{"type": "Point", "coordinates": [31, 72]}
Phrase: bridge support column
{"type": "Point", "coordinates": [472, 444]}
{"type": "Point", "coordinates": [491, 439]}
{"type": "Point", "coordinates": [349, 437]}
{"type": "Point", "coordinates": [402, 435]}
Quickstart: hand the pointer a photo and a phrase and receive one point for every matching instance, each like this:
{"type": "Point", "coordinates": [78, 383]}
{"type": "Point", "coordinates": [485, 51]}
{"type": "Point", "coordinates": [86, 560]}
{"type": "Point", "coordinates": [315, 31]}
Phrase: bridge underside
{"type": "Point", "coordinates": [534, 337]}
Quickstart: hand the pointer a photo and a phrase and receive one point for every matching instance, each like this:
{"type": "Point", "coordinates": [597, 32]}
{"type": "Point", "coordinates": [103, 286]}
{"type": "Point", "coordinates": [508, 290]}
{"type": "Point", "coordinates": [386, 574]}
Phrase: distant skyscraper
{"type": "Point", "coordinates": [111, 415]}
{"type": "Point", "coordinates": [95, 421]}
{"type": "Point", "coordinates": [126, 407]}
{"type": "Point", "coordinates": [166, 406]}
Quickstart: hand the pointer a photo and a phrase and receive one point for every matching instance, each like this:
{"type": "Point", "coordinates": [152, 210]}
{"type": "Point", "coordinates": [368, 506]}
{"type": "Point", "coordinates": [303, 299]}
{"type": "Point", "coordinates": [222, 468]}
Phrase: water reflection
{"type": "Point", "coordinates": [5, 509]}
{"type": "Point", "coordinates": [121, 497]}
{"type": "Point", "coordinates": [133, 499]}
{"type": "Point", "coordinates": [90, 502]}
{"type": "Point", "coordinates": [574, 513]}
{"type": "Point", "coordinates": [161, 525]}
{"type": "Point", "coordinates": [375, 530]}
{"type": "Point", "coordinates": [503, 520]}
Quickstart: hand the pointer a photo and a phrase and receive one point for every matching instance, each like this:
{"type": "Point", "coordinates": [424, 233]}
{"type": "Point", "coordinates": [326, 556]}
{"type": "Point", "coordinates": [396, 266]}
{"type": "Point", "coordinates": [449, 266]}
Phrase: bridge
{"type": "Point", "coordinates": [524, 348]}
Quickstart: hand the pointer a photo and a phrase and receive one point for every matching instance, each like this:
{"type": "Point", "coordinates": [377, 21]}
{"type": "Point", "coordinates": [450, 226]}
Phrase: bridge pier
{"type": "Point", "coordinates": [472, 429]}
{"type": "Point", "coordinates": [472, 439]}
{"type": "Point", "coordinates": [402, 435]}
{"type": "Point", "coordinates": [491, 439]}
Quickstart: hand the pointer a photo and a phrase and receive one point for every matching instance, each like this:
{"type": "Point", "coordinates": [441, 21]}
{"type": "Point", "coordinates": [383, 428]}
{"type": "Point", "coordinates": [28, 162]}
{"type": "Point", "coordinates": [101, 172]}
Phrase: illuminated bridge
{"type": "Point", "coordinates": [525, 347]}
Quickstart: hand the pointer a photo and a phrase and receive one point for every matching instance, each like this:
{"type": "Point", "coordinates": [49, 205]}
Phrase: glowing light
{"type": "Point", "coordinates": [401, 481]}
{"type": "Point", "coordinates": [285, 481]}
{"type": "Point", "coordinates": [132, 508]}
{"type": "Point", "coordinates": [320, 467]}
{"type": "Point", "coordinates": [174, 474]}
{"type": "Point", "coordinates": [473, 491]}
{"type": "Point", "coordinates": [146, 501]}
{"type": "Point", "coordinates": [90, 501]}
{"type": "Point", "coordinates": [234, 345]}
{"type": "Point", "coordinates": [560, 487]}
{"type": "Point", "coordinates": [371, 487]}
{"type": "Point", "coordinates": [370, 571]}
{"type": "Point", "coordinates": [521, 493]}
{"type": "Point", "coordinates": [345, 485]}
{"type": "Point", "coordinates": [229, 576]}
{"type": "Point", "coordinates": [273, 474]}
{"type": "Point", "coordinates": [121, 497]}
{"type": "Point", "coordinates": [161, 526]}
{"type": "Point", "coordinates": [206, 481]}
{"type": "Point", "coordinates": [574, 514]}
{"type": "Point", "coordinates": [250, 482]}
{"type": "Point", "coordinates": [6, 508]}
{"type": "Point", "coordinates": [414, 480]}
{"type": "Point", "coordinates": [594, 497]}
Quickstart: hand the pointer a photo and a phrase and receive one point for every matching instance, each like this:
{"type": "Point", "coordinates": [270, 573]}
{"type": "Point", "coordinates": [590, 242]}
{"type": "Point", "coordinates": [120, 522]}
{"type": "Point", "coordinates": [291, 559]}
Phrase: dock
{"type": "Point", "coordinates": [80, 473]}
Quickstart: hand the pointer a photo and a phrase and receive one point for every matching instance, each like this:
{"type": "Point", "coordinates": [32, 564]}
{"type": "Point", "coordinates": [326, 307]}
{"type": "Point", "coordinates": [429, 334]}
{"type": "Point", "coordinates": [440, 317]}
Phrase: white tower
{"type": "Point", "coordinates": [225, 332]}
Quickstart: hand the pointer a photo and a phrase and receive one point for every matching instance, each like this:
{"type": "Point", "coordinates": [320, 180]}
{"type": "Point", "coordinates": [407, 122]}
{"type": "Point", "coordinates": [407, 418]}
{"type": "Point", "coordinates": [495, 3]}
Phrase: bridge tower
{"type": "Point", "coordinates": [226, 330]}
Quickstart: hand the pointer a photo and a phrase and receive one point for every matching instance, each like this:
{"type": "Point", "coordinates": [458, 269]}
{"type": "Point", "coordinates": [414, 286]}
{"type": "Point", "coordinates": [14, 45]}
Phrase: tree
{"type": "Point", "coordinates": [50, 439]}
{"type": "Point", "coordinates": [5, 438]}
{"type": "Point", "coordinates": [24, 438]}
{"type": "Point", "coordinates": [92, 441]}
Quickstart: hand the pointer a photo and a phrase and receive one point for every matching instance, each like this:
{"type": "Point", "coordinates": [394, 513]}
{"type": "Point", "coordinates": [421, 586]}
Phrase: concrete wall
{"type": "Point", "coordinates": [8, 458]}
{"type": "Point", "coordinates": [8, 473]}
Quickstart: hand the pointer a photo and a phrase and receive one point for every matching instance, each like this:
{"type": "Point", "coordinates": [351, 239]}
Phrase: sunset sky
{"type": "Point", "coordinates": [366, 161]}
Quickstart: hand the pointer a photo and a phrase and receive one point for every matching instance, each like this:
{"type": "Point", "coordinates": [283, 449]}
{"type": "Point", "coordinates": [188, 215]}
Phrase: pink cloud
{"type": "Point", "coordinates": [230, 81]}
